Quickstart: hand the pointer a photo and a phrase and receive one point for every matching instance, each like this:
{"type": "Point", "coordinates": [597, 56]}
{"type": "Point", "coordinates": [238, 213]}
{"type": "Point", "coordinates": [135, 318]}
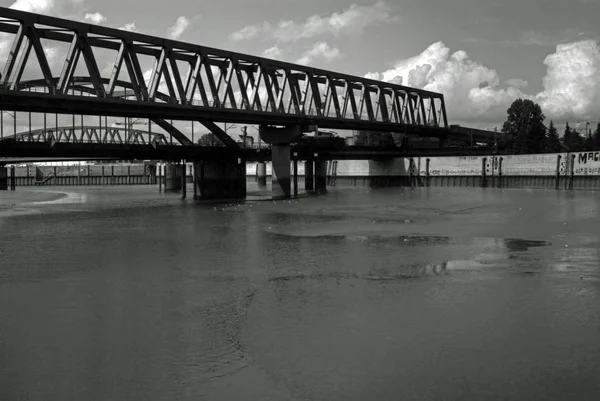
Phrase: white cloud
{"type": "Point", "coordinates": [249, 32]}
{"type": "Point", "coordinates": [572, 81]}
{"type": "Point", "coordinates": [473, 91]}
{"type": "Point", "coordinates": [178, 28]}
{"type": "Point", "coordinates": [95, 18]}
{"type": "Point", "coordinates": [517, 83]}
{"type": "Point", "coordinates": [33, 6]}
{"type": "Point", "coordinates": [470, 89]}
{"type": "Point", "coordinates": [352, 20]}
{"type": "Point", "coordinates": [130, 27]}
{"type": "Point", "coordinates": [320, 50]}
{"type": "Point", "coordinates": [273, 53]}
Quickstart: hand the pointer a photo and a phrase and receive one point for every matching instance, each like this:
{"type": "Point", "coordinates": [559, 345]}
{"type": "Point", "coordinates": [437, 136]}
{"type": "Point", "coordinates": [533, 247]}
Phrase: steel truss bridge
{"type": "Point", "coordinates": [81, 142]}
{"type": "Point", "coordinates": [90, 135]}
{"type": "Point", "coordinates": [216, 86]}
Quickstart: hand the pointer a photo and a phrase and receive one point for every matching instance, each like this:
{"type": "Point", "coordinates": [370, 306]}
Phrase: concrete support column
{"type": "Point", "coordinates": [320, 176]}
{"type": "Point", "coordinates": [221, 180]}
{"type": "Point", "coordinates": [3, 178]}
{"type": "Point", "coordinates": [13, 178]}
{"type": "Point", "coordinates": [183, 180]}
{"type": "Point", "coordinates": [280, 140]}
{"type": "Point", "coordinates": [172, 177]}
{"type": "Point", "coordinates": [309, 175]}
{"type": "Point", "coordinates": [281, 178]}
{"type": "Point", "coordinates": [159, 174]}
{"type": "Point", "coordinates": [261, 174]}
{"type": "Point", "coordinates": [196, 185]}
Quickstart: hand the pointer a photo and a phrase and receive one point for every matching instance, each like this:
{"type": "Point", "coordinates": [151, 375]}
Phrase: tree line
{"type": "Point", "coordinates": [524, 131]}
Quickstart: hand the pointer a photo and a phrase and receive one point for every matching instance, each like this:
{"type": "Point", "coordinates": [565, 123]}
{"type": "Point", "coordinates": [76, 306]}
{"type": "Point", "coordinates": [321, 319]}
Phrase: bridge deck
{"type": "Point", "coordinates": [65, 151]}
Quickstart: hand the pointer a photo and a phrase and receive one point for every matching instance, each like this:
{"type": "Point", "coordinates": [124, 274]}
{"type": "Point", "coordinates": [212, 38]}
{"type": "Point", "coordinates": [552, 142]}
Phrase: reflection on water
{"type": "Point", "coordinates": [470, 294]}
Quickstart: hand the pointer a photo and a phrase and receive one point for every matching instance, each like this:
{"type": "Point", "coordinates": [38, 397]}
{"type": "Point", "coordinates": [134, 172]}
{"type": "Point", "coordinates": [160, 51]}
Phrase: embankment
{"type": "Point", "coordinates": [578, 171]}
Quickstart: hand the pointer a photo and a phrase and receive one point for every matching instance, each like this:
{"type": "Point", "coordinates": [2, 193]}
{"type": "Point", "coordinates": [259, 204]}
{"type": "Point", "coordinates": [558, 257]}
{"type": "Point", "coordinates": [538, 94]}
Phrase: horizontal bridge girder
{"type": "Point", "coordinates": [92, 106]}
{"type": "Point", "coordinates": [218, 85]}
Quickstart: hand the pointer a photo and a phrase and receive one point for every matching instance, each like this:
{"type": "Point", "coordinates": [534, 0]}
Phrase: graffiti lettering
{"type": "Point", "coordinates": [591, 156]}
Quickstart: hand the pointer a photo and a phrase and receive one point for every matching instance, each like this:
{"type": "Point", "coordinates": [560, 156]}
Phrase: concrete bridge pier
{"type": "Point", "coordinates": [3, 178]}
{"type": "Point", "coordinates": [183, 180]}
{"type": "Point", "coordinates": [309, 175]}
{"type": "Point", "coordinates": [221, 180]}
{"type": "Point", "coordinates": [320, 176]}
{"type": "Point", "coordinates": [172, 177]}
{"type": "Point", "coordinates": [280, 140]}
{"type": "Point", "coordinates": [261, 174]}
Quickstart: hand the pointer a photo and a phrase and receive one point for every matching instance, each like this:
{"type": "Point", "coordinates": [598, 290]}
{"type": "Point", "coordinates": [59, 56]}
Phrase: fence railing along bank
{"type": "Point", "coordinates": [108, 174]}
{"type": "Point", "coordinates": [579, 170]}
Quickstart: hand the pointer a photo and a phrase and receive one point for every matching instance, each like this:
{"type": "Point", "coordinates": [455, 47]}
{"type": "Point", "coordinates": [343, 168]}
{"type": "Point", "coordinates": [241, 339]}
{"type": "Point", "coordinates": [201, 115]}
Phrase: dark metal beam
{"type": "Point", "coordinates": [174, 132]}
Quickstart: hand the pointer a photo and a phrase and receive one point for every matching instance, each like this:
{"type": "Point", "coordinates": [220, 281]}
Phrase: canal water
{"type": "Point", "coordinates": [122, 293]}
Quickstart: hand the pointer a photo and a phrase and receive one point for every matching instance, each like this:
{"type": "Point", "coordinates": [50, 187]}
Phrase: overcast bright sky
{"type": "Point", "coordinates": [481, 54]}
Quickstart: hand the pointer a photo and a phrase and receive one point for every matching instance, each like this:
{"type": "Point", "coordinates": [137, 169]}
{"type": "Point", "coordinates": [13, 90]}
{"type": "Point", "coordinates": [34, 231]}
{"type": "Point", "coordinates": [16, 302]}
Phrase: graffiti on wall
{"type": "Point", "coordinates": [587, 163]}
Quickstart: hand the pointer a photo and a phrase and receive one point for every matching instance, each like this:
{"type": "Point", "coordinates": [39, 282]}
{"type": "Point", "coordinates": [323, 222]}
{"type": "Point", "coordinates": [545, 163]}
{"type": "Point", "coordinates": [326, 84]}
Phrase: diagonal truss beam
{"type": "Point", "coordinates": [174, 132]}
{"type": "Point", "coordinates": [219, 133]}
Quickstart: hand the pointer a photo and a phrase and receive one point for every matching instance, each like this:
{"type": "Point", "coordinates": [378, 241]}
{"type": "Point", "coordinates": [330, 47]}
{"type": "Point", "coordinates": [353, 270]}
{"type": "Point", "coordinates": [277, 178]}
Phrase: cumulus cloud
{"type": "Point", "coordinates": [249, 32]}
{"type": "Point", "coordinates": [95, 18]}
{"type": "Point", "coordinates": [517, 83]}
{"type": "Point", "coordinates": [130, 27]}
{"type": "Point", "coordinates": [469, 88]}
{"type": "Point", "coordinates": [273, 52]}
{"type": "Point", "coordinates": [33, 6]}
{"type": "Point", "coordinates": [178, 28]}
{"type": "Point", "coordinates": [352, 20]}
{"type": "Point", "coordinates": [572, 81]}
{"type": "Point", "coordinates": [320, 50]}
{"type": "Point", "coordinates": [473, 91]}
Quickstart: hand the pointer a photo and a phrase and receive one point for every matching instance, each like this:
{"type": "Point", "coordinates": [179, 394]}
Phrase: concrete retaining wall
{"type": "Point", "coordinates": [579, 170]}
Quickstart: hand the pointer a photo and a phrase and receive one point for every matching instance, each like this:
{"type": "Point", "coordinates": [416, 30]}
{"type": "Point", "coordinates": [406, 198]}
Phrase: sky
{"type": "Point", "coordinates": [481, 54]}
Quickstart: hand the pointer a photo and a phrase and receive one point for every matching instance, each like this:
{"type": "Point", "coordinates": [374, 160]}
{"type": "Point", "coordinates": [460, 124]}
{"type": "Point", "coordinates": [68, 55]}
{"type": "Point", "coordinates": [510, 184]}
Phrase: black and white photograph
{"type": "Point", "coordinates": [299, 200]}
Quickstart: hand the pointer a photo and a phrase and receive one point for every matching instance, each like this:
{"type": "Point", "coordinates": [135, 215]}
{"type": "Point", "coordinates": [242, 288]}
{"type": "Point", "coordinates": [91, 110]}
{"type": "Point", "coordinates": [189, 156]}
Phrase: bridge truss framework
{"type": "Point", "coordinates": [217, 85]}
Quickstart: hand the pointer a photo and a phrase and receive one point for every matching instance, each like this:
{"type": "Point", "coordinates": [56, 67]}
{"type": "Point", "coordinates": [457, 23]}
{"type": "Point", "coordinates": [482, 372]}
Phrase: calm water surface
{"type": "Point", "coordinates": [432, 294]}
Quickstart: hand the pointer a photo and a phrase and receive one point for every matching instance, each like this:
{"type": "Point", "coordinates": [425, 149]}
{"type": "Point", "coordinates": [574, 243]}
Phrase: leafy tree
{"type": "Point", "coordinates": [588, 143]}
{"type": "Point", "coordinates": [552, 139]}
{"type": "Point", "coordinates": [572, 140]}
{"type": "Point", "coordinates": [524, 127]}
{"type": "Point", "coordinates": [210, 139]}
{"type": "Point", "coordinates": [596, 138]}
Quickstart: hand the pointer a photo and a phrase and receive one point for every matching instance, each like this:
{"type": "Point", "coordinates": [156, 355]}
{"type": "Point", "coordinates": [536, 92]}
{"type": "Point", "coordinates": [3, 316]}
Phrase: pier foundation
{"type": "Point", "coordinates": [3, 178]}
{"type": "Point", "coordinates": [221, 180]}
{"type": "Point", "coordinates": [280, 139]}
